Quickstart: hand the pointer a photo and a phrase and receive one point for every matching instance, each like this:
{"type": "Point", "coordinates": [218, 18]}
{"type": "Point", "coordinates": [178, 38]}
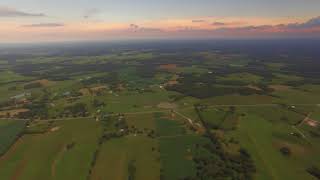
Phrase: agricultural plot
{"type": "Point", "coordinates": [278, 114]}
{"type": "Point", "coordinates": [221, 118]}
{"type": "Point", "coordinates": [264, 140]}
{"type": "Point", "coordinates": [133, 156]}
{"type": "Point", "coordinates": [65, 148]}
{"type": "Point", "coordinates": [9, 76]}
{"type": "Point", "coordinates": [177, 153]}
{"type": "Point", "coordinates": [10, 131]}
{"type": "Point", "coordinates": [293, 96]}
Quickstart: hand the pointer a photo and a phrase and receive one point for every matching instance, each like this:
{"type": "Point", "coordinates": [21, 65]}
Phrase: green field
{"type": "Point", "coordinates": [115, 156]}
{"type": "Point", "coordinates": [264, 138]}
{"type": "Point", "coordinates": [9, 133]}
{"type": "Point", "coordinates": [51, 155]}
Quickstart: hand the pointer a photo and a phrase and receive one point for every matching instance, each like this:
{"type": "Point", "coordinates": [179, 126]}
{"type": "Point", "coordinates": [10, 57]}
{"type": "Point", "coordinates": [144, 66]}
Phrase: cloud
{"type": "Point", "coordinates": [233, 23]}
{"type": "Point", "coordinates": [198, 21]}
{"type": "Point", "coordinates": [91, 13]}
{"type": "Point", "coordinates": [229, 28]}
{"type": "Point", "coordinates": [44, 25]}
{"type": "Point", "coordinates": [309, 28]}
{"type": "Point", "coordinates": [144, 29]}
{"type": "Point", "coordinates": [314, 22]}
{"type": "Point", "coordinates": [218, 24]}
{"type": "Point", "coordinates": [244, 28]}
{"type": "Point", "coordinates": [137, 28]}
{"type": "Point", "coordinates": [133, 26]}
{"type": "Point", "coordinates": [11, 12]}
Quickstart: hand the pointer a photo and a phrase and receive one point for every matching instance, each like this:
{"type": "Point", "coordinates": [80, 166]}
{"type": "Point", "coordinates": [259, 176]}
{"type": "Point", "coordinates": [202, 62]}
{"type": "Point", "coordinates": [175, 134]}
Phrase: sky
{"type": "Point", "coordinates": [68, 20]}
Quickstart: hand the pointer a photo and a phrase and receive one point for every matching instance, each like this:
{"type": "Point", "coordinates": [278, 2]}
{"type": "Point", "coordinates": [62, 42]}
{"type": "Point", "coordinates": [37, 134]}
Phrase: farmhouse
{"type": "Point", "coordinates": [20, 96]}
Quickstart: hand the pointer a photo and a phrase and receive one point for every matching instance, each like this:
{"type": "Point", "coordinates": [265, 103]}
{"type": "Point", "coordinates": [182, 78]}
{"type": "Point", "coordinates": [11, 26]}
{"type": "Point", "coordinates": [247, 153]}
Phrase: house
{"type": "Point", "coordinates": [66, 93]}
{"type": "Point", "coordinates": [21, 96]}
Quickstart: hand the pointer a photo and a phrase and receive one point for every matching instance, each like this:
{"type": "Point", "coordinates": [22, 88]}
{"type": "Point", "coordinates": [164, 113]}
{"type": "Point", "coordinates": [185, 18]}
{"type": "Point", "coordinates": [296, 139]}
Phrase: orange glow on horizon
{"type": "Point", "coordinates": [198, 26]}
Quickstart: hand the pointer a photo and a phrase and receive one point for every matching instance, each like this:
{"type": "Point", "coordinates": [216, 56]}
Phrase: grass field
{"type": "Point", "coordinates": [9, 133]}
{"type": "Point", "coordinates": [277, 114]}
{"type": "Point", "coordinates": [263, 139]}
{"type": "Point", "coordinates": [177, 155]}
{"type": "Point", "coordinates": [51, 155]}
{"type": "Point", "coordinates": [175, 146]}
{"type": "Point", "coordinates": [116, 155]}
{"type": "Point", "coordinates": [141, 121]}
{"type": "Point", "coordinates": [9, 76]}
{"type": "Point", "coordinates": [299, 95]}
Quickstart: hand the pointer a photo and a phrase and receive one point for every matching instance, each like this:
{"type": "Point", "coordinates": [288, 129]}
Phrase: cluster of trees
{"type": "Point", "coordinates": [286, 151]}
{"type": "Point", "coordinates": [307, 69]}
{"type": "Point", "coordinates": [93, 161]}
{"type": "Point", "coordinates": [98, 103]}
{"type": "Point", "coordinates": [32, 69]}
{"type": "Point", "coordinates": [76, 110]}
{"type": "Point", "coordinates": [107, 136]}
{"type": "Point", "coordinates": [37, 110]}
{"type": "Point", "coordinates": [221, 164]}
{"type": "Point", "coordinates": [207, 90]}
{"type": "Point", "coordinates": [70, 145]}
{"type": "Point", "coordinates": [71, 68]}
{"type": "Point", "coordinates": [65, 70]}
{"type": "Point", "coordinates": [314, 171]}
{"type": "Point", "coordinates": [206, 85]}
{"type": "Point", "coordinates": [112, 78]}
{"type": "Point", "coordinates": [62, 70]}
{"type": "Point", "coordinates": [146, 71]}
{"type": "Point", "coordinates": [131, 170]}
{"type": "Point", "coordinates": [148, 132]}
{"type": "Point", "coordinates": [254, 67]}
{"type": "Point", "coordinates": [121, 123]}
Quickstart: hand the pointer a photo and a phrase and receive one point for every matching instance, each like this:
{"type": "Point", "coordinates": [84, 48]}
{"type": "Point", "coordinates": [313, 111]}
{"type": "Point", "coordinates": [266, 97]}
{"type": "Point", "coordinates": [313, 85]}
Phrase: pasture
{"type": "Point", "coordinates": [10, 131]}
{"type": "Point", "coordinates": [52, 154]}
{"type": "Point", "coordinates": [264, 138]}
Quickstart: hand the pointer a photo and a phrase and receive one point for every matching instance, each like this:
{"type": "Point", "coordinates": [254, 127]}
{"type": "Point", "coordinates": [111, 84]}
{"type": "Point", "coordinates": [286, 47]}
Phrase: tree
{"type": "Point", "coordinates": [285, 151]}
{"type": "Point", "coordinates": [314, 171]}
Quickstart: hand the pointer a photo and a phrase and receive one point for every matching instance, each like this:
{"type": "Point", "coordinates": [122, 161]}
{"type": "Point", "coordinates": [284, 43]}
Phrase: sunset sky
{"type": "Point", "coordinates": [66, 20]}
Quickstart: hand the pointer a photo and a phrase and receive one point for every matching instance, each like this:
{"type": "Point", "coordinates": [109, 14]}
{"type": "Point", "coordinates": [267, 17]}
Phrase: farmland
{"type": "Point", "coordinates": [10, 132]}
{"type": "Point", "coordinates": [46, 154]}
{"type": "Point", "coordinates": [159, 113]}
